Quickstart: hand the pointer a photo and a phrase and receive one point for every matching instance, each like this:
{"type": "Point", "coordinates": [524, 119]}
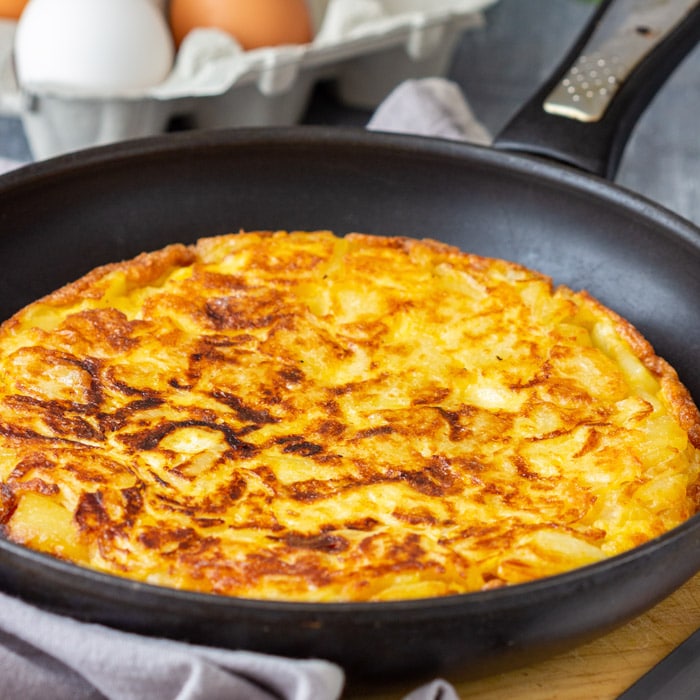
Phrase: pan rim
{"type": "Point", "coordinates": [300, 137]}
{"type": "Point", "coordinates": [562, 176]}
{"type": "Point", "coordinates": [499, 598]}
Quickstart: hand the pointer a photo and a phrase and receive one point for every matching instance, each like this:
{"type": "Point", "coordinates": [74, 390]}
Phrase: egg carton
{"type": "Point", "coordinates": [365, 47]}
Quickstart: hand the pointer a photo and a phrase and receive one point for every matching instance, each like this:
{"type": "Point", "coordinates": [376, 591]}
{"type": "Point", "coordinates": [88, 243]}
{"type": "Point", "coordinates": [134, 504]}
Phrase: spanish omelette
{"type": "Point", "coordinates": [297, 416]}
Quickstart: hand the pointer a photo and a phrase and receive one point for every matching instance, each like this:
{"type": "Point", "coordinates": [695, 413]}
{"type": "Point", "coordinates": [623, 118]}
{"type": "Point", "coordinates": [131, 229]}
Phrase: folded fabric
{"type": "Point", "coordinates": [429, 107]}
{"type": "Point", "coordinates": [43, 655]}
{"type": "Point", "coordinates": [51, 656]}
{"type": "Point", "coordinates": [7, 164]}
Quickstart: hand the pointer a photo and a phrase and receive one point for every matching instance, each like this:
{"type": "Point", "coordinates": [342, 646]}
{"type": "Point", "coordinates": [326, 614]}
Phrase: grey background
{"type": "Point", "coordinates": [499, 66]}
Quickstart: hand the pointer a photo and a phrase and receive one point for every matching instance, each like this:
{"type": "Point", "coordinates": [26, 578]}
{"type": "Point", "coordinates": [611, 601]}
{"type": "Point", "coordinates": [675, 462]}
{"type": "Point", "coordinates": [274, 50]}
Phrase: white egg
{"type": "Point", "coordinates": [94, 46]}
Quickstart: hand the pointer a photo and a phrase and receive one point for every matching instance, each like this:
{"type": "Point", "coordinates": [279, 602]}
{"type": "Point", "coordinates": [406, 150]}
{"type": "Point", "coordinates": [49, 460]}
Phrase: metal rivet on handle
{"type": "Point", "coordinates": [613, 51]}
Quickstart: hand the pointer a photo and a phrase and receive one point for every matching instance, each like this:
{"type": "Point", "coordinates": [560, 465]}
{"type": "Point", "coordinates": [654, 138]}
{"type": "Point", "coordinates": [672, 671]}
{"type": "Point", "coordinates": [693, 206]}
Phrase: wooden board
{"type": "Point", "coordinates": [599, 670]}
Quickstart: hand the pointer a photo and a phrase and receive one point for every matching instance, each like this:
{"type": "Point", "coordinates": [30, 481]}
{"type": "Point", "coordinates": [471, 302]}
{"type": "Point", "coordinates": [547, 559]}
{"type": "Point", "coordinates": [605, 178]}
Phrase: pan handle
{"type": "Point", "coordinates": [584, 114]}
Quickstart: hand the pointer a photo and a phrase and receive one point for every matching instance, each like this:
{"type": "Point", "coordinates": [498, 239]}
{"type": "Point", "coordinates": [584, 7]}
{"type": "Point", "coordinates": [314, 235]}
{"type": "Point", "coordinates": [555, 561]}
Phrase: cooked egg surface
{"type": "Point", "coordinates": [253, 23]}
{"type": "Point", "coordinates": [100, 46]}
{"type": "Point", "coordinates": [303, 417]}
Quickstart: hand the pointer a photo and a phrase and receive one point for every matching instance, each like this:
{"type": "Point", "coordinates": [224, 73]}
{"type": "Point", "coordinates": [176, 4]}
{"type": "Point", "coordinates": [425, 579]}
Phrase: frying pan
{"type": "Point", "coordinates": [60, 218]}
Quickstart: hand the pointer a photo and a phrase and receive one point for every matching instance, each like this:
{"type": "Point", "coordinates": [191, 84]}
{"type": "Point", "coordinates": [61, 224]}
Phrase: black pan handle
{"type": "Point", "coordinates": [585, 113]}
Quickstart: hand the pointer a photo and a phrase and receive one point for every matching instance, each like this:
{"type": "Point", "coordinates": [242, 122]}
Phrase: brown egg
{"type": "Point", "coordinates": [12, 8]}
{"type": "Point", "coordinates": [253, 23]}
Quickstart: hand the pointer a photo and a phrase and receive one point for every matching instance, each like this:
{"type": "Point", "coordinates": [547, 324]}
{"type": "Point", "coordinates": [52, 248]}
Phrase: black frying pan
{"type": "Point", "coordinates": [60, 218]}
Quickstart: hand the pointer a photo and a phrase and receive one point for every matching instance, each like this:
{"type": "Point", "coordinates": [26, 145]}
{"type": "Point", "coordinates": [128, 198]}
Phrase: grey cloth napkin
{"type": "Point", "coordinates": [7, 164]}
{"type": "Point", "coordinates": [50, 656]}
{"type": "Point", "coordinates": [429, 107]}
{"type": "Point", "coordinates": [46, 656]}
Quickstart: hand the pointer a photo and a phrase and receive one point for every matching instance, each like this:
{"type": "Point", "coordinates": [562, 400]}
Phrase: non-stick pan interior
{"type": "Point", "coordinates": [61, 218]}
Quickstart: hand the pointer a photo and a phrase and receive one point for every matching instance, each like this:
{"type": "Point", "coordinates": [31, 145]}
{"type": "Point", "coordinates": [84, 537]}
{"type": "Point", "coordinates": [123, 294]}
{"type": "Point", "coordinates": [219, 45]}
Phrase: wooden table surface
{"type": "Point", "coordinates": [599, 670]}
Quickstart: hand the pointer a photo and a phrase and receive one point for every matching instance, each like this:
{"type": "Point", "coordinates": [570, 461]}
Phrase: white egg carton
{"type": "Point", "coordinates": [366, 47]}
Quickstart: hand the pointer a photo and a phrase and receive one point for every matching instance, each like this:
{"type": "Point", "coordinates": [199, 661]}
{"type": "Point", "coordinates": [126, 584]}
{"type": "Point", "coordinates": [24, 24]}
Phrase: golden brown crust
{"type": "Point", "coordinates": [678, 395]}
{"type": "Point", "coordinates": [297, 416]}
{"type": "Point", "coordinates": [141, 271]}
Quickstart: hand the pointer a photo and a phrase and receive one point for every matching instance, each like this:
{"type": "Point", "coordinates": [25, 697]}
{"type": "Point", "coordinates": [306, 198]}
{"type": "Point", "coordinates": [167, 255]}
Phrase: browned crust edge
{"type": "Point", "coordinates": [144, 269]}
{"type": "Point", "coordinates": [677, 394]}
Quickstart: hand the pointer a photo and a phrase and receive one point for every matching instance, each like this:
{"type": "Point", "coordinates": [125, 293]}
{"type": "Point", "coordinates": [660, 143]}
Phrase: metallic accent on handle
{"type": "Point", "coordinates": [626, 35]}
